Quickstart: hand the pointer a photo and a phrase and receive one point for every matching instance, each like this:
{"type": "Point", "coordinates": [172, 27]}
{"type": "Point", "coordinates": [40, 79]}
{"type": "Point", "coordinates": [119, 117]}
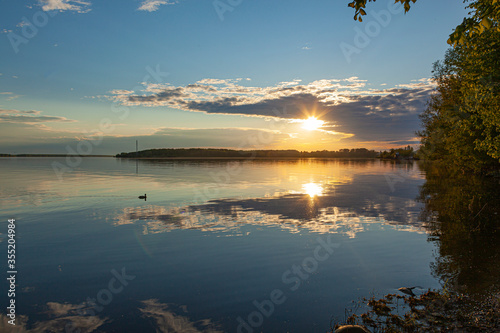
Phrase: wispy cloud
{"type": "Point", "coordinates": [121, 92]}
{"type": "Point", "coordinates": [10, 95]}
{"type": "Point", "coordinates": [28, 117]}
{"type": "Point", "coordinates": [22, 24]}
{"type": "Point", "coordinates": [64, 5]}
{"type": "Point", "coordinates": [154, 5]}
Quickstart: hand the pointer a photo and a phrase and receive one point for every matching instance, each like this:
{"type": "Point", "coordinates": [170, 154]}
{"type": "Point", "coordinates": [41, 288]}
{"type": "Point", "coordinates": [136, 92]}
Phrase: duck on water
{"type": "Point", "coordinates": [143, 197]}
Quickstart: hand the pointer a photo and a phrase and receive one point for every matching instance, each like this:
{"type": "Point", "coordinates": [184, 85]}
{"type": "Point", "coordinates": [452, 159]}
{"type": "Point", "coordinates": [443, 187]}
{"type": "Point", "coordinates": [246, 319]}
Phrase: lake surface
{"type": "Point", "coordinates": [218, 246]}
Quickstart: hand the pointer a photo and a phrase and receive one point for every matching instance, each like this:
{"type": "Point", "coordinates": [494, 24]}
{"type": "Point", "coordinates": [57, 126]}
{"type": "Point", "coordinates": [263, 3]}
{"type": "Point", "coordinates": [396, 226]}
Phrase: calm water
{"type": "Point", "coordinates": [277, 246]}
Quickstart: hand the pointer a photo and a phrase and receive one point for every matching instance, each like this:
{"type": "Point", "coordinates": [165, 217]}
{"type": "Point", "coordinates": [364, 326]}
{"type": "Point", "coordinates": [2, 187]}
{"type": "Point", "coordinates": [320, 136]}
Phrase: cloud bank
{"type": "Point", "coordinates": [346, 106]}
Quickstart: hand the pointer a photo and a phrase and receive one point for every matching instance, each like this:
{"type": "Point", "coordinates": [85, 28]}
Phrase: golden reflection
{"type": "Point", "coordinates": [158, 219]}
{"type": "Point", "coordinates": [313, 189]}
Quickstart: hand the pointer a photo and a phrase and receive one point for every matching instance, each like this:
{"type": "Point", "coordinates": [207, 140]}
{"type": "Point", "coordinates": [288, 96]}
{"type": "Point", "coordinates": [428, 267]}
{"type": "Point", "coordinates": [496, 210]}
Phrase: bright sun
{"type": "Point", "coordinates": [312, 123]}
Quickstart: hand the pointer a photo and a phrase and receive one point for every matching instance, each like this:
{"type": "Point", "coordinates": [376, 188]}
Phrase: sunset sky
{"type": "Point", "coordinates": [229, 73]}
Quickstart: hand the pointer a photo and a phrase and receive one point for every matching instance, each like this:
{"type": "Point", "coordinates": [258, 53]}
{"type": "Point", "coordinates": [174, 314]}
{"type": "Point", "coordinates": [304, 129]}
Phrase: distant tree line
{"type": "Point", "coordinates": [229, 153]}
{"type": "Point", "coordinates": [400, 153]}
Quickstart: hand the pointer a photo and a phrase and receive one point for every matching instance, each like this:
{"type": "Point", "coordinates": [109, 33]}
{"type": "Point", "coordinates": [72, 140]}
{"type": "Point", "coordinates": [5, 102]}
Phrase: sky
{"type": "Point", "coordinates": [94, 76]}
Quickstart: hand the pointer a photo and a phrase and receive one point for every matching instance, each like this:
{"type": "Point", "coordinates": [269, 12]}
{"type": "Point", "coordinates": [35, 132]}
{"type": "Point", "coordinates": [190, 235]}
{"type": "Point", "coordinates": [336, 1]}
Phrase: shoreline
{"type": "Point", "coordinates": [247, 158]}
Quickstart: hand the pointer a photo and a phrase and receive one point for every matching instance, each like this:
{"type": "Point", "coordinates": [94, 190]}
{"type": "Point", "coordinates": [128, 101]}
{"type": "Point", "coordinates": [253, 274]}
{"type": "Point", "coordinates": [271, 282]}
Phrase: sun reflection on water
{"type": "Point", "coordinates": [313, 189]}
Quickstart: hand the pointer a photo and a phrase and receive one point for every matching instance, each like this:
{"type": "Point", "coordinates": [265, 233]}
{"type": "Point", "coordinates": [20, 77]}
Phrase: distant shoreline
{"type": "Point", "coordinates": [228, 154]}
{"type": "Point", "coordinates": [248, 158]}
{"type": "Point", "coordinates": [199, 157]}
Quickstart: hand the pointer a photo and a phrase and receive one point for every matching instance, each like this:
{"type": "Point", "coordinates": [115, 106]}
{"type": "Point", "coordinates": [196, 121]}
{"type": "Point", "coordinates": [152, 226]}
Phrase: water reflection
{"type": "Point", "coordinates": [66, 317]}
{"type": "Point", "coordinates": [327, 207]}
{"type": "Point", "coordinates": [313, 189]}
{"type": "Point", "coordinates": [463, 218]}
{"type": "Point", "coordinates": [169, 322]}
{"type": "Point", "coordinates": [92, 221]}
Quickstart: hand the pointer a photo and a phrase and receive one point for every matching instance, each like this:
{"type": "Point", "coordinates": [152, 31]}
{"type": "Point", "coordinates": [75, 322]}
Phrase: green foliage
{"type": "Point", "coordinates": [462, 121]}
{"type": "Point", "coordinates": [485, 16]}
{"type": "Point", "coordinates": [360, 5]}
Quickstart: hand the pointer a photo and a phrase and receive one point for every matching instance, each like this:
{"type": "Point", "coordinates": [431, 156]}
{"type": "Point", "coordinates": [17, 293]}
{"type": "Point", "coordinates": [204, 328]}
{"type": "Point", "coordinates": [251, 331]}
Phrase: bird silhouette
{"type": "Point", "coordinates": [408, 290]}
{"type": "Point", "coordinates": [143, 197]}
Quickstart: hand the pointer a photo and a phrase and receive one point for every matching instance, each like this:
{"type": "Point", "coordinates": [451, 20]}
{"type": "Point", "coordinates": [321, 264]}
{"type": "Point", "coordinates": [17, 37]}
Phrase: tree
{"type": "Point", "coordinates": [462, 121]}
{"type": "Point", "coordinates": [485, 16]}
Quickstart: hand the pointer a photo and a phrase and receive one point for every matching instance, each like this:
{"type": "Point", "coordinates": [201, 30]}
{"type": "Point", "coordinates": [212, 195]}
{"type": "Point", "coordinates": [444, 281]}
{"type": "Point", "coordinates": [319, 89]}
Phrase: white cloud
{"type": "Point", "coordinates": [64, 5]}
{"type": "Point", "coordinates": [11, 95]}
{"type": "Point", "coordinates": [154, 5]}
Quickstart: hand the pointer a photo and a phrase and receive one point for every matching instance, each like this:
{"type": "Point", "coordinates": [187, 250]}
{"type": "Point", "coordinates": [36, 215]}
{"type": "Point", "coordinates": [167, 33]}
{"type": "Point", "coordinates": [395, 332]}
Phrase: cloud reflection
{"type": "Point", "coordinates": [67, 317]}
{"type": "Point", "coordinates": [321, 208]}
{"type": "Point", "coordinates": [168, 321]}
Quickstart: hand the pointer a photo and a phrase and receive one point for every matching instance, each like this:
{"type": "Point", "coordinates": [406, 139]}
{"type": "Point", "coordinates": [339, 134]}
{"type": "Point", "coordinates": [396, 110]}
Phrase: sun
{"type": "Point", "coordinates": [312, 123]}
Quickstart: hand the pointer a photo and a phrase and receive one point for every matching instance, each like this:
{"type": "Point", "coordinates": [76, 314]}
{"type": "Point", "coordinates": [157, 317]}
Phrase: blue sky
{"type": "Point", "coordinates": [229, 73]}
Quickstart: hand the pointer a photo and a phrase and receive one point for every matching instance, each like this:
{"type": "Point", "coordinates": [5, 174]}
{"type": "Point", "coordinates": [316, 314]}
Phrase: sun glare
{"type": "Point", "coordinates": [312, 123]}
{"type": "Point", "coordinates": [313, 189]}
